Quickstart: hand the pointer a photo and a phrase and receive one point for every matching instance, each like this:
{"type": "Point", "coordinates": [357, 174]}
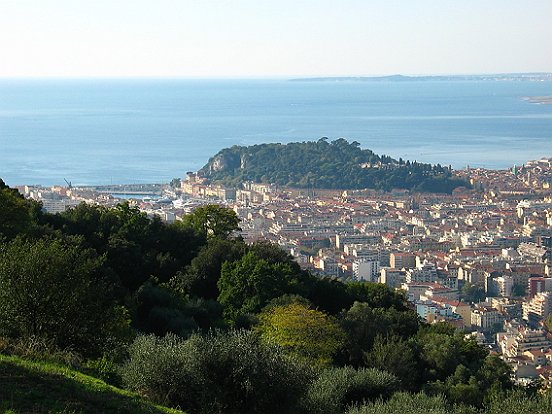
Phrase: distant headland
{"type": "Point", "coordinates": [531, 77]}
{"type": "Point", "coordinates": [326, 164]}
{"type": "Point", "coordinates": [545, 100]}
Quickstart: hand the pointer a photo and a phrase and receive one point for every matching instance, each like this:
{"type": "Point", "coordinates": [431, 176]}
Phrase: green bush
{"type": "Point", "coordinates": [232, 372]}
{"type": "Point", "coordinates": [337, 388]}
{"type": "Point", "coordinates": [39, 349]}
{"type": "Point", "coordinates": [517, 402]}
{"type": "Point", "coordinates": [105, 369]}
{"type": "Point", "coordinates": [158, 368]}
{"type": "Point", "coordinates": [403, 403]}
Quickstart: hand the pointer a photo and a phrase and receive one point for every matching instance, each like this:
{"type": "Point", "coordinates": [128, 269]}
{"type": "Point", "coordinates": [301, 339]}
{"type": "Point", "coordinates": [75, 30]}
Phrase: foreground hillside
{"type": "Point", "coordinates": [38, 387]}
{"type": "Point", "coordinates": [322, 164]}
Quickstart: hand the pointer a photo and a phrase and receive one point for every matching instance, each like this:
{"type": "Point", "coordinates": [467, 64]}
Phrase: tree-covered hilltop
{"type": "Point", "coordinates": [337, 164]}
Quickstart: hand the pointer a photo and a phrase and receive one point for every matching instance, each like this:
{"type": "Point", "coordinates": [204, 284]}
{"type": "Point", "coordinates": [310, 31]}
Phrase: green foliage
{"type": "Point", "coordinates": [105, 369]}
{"type": "Point", "coordinates": [338, 388]}
{"type": "Point", "coordinates": [397, 356]}
{"type": "Point", "coordinates": [377, 295]}
{"type": "Point", "coordinates": [467, 386]}
{"type": "Point", "coordinates": [40, 387]}
{"type": "Point", "coordinates": [158, 369]}
{"type": "Point", "coordinates": [213, 221]}
{"type": "Point", "coordinates": [248, 284]}
{"type": "Point", "coordinates": [403, 403]}
{"type": "Point", "coordinates": [17, 215]}
{"type": "Point", "coordinates": [363, 324]}
{"type": "Point", "coordinates": [304, 332]}
{"type": "Point", "coordinates": [160, 311]}
{"type": "Point", "coordinates": [226, 373]}
{"type": "Point", "coordinates": [519, 290]}
{"type": "Point", "coordinates": [442, 350]}
{"type": "Point", "coordinates": [56, 289]}
{"type": "Point", "coordinates": [517, 402]}
{"type": "Point", "coordinates": [288, 299]}
{"type": "Point", "coordinates": [39, 349]}
{"type": "Point", "coordinates": [473, 293]}
{"type": "Point", "coordinates": [175, 183]}
{"type": "Point", "coordinates": [323, 164]}
{"type": "Point", "coordinates": [328, 294]}
{"type": "Point", "coordinates": [548, 322]}
{"type": "Point", "coordinates": [200, 278]}
{"type": "Point", "coordinates": [135, 247]}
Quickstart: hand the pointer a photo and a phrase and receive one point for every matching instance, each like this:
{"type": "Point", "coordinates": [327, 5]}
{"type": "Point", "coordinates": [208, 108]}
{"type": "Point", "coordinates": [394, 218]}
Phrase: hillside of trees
{"type": "Point", "coordinates": [322, 164]}
{"type": "Point", "coordinates": [189, 316]}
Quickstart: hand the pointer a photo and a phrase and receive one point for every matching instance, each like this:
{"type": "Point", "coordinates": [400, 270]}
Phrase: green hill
{"type": "Point", "coordinates": [321, 164]}
{"type": "Point", "coordinates": [39, 387]}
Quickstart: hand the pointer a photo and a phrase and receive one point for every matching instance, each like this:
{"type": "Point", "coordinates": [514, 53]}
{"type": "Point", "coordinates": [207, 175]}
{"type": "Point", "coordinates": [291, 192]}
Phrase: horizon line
{"type": "Point", "coordinates": [259, 77]}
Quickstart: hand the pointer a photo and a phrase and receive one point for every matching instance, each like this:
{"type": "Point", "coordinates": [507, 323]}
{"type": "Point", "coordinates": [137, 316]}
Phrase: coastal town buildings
{"type": "Point", "coordinates": [479, 258]}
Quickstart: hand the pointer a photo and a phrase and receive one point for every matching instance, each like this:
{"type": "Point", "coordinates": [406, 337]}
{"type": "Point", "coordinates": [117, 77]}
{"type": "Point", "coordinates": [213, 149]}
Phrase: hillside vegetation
{"type": "Point", "coordinates": [40, 387]}
{"type": "Point", "coordinates": [191, 317]}
{"type": "Point", "coordinates": [321, 164]}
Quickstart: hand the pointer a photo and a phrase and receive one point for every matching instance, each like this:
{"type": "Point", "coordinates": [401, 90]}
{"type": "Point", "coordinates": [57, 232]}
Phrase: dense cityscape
{"type": "Point", "coordinates": [479, 259]}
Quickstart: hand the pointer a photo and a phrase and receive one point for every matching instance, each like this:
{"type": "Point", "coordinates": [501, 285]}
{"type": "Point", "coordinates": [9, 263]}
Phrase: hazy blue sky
{"type": "Point", "coordinates": [261, 38]}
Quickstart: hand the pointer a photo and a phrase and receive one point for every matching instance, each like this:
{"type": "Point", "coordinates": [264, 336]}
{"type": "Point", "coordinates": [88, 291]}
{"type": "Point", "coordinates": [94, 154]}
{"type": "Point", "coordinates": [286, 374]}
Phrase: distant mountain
{"type": "Point", "coordinates": [322, 164]}
{"type": "Point", "coordinates": [401, 78]}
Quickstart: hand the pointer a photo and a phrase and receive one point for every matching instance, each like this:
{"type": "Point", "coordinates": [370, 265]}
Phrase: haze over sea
{"type": "Point", "coordinates": [145, 131]}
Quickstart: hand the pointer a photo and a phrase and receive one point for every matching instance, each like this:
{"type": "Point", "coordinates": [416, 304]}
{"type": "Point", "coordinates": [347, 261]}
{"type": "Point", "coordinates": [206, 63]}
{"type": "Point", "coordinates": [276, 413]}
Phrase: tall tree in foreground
{"type": "Point", "coordinates": [55, 290]}
{"type": "Point", "coordinates": [17, 215]}
{"type": "Point", "coordinates": [248, 284]}
{"type": "Point", "coordinates": [213, 221]}
{"type": "Point", "coordinates": [304, 332]}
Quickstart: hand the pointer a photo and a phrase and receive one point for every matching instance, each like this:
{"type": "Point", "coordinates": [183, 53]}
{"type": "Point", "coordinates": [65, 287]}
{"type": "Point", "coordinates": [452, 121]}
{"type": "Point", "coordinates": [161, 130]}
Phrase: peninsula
{"type": "Point", "coordinates": [326, 164]}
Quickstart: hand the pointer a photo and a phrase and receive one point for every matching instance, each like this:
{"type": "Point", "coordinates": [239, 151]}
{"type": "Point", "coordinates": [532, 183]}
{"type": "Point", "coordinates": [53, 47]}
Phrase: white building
{"type": "Point", "coordinates": [367, 270]}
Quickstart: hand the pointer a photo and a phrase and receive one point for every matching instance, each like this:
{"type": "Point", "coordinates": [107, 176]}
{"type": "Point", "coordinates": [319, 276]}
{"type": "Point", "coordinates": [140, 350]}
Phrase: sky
{"type": "Point", "coordinates": [279, 38]}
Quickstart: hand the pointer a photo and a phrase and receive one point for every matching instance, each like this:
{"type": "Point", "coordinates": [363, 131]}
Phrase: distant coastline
{"type": "Point", "coordinates": [527, 77]}
{"type": "Point", "coordinates": [543, 100]}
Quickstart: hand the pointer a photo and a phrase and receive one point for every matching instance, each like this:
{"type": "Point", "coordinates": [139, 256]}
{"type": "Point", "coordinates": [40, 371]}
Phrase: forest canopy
{"type": "Point", "coordinates": [321, 164]}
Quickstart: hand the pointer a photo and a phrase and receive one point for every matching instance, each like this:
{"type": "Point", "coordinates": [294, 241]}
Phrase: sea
{"type": "Point", "coordinates": [131, 131]}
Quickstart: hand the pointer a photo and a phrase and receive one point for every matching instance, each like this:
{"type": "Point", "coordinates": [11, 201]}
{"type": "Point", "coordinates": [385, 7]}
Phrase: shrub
{"type": "Point", "coordinates": [403, 403]}
{"type": "Point", "coordinates": [39, 349]}
{"type": "Point", "coordinates": [337, 388]}
{"type": "Point", "coordinates": [232, 372]}
{"type": "Point", "coordinates": [158, 368]}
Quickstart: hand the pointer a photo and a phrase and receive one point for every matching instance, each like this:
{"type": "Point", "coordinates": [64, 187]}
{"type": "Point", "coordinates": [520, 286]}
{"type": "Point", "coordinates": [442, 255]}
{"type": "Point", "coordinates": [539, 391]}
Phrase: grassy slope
{"type": "Point", "coordinates": [39, 387]}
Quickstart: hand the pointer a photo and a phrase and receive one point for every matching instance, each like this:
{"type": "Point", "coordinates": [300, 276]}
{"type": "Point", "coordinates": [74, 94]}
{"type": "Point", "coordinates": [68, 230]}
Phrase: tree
{"type": "Point", "coordinates": [55, 289]}
{"type": "Point", "coordinates": [307, 333]}
{"type": "Point", "coordinates": [17, 215]}
{"type": "Point", "coordinates": [213, 221]}
{"type": "Point", "coordinates": [160, 311]}
{"type": "Point", "coordinates": [442, 350]}
{"type": "Point", "coordinates": [472, 293]}
{"type": "Point", "coordinates": [135, 246]}
{"type": "Point", "coordinates": [376, 295]}
{"type": "Point", "coordinates": [396, 356]}
{"type": "Point", "coordinates": [363, 324]}
{"type": "Point", "coordinates": [175, 183]}
{"type": "Point", "coordinates": [200, 278]}
{"type": "Point", "coordinates": [247, 285]}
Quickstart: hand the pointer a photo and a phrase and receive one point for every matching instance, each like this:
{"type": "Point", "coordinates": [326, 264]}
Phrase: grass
{"type": "Point", "coordinates": [41, 387]}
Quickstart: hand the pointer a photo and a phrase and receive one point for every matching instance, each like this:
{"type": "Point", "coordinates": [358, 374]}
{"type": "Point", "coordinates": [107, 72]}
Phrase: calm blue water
{"type": "Point", "coordinates": [122, 131]}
